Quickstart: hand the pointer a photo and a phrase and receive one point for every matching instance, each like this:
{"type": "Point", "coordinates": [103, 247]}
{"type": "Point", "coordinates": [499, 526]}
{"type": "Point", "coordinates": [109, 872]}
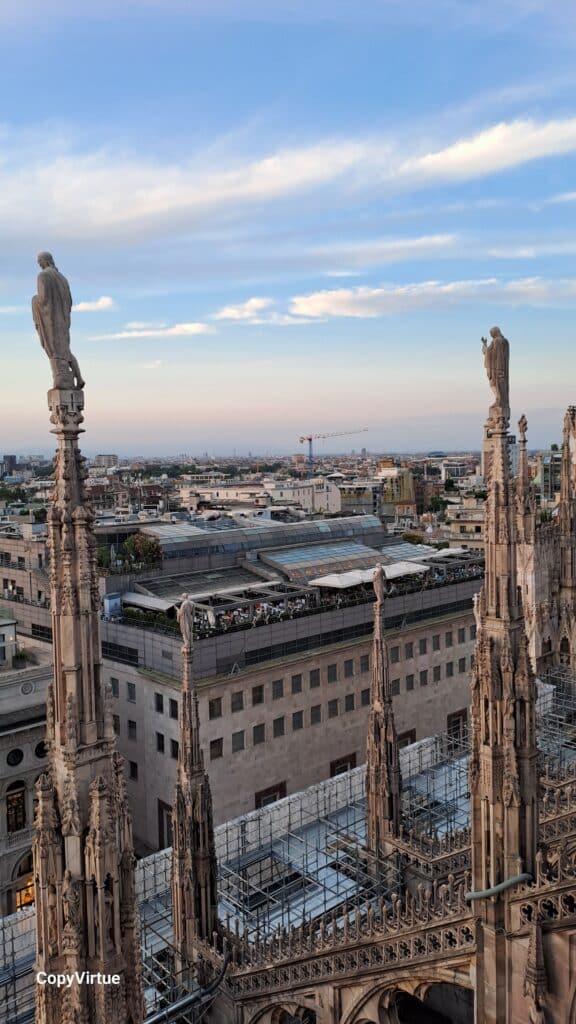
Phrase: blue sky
{"type": "Point", "coordinates": [288, 216]}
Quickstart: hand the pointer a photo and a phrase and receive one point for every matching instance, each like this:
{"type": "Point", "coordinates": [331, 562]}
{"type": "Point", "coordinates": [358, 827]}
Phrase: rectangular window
{"type": "Point", "coordinates": [315, 714]}
{"type": "Point", "coordinates": [394, 655]}
{"type": "Point", "coordinates": [297, 720]}
{"type": "Point", "coordinates": [173, 706]}
{"type": "Point", "coordinates": [131, 692]}
{"type": "Point", "coordinates": [365, 663]}
{"type": "Point", "coordinates": [332, 708]}
{"type": "Point", "coordinates": [215, 708]}
{"type": "Point", "coordinates": [332, 673]}
{"type": "Point", "coordinates": [424, 677]}
{"type": "Point", "coordinates": [436, 642]}
{"type": "Point", "coordinates": [406, 738]}
{"type": "Point", "coordinates": [348, 669]}
{"type": "Point", "coordinates": [297, 683]}
{"type": "Point", "coordinates": [448, 639]}
{"type": "Point", "coordinates": [471, 661]}
{"type": "Point", "coordinates": [449, 669]}
{"type": "Point", "coordinates": [174, 747]}
{"type": "Point", "coordinates": [114, 686]}
{"type": "Point", "coordinates": [409, 650]}
{"type": "Point", "coordinates": [314, 678]}
{"type": "Point", "coordinates": [410, 682]}
{"type": "Point", "coordinates": [116, 721]}
{"type": "Point", "coordinates": [133, 770]}
{"type": "Point", "coordinates": [167, 655]}
{"type": "Point", "coordinates": [131, 730]}
{"type": "Point", "coordinates": [462, 636]}
{"type": "Point", "coordinates": [365, 697]}
{"type": "Point", "coordinates": [257, 695]}
{"type": "Point", "coordinates": [456, 724]}
{"type": "Point", "coordinates": [277, 689]}
{"type": "Point", "coordinates": [237, 700]}
{"type": "Point", "coordinates": [216, 748]}
{"type": "Point", "coordinates": [422, 646]}
{"type": "Point", "coordinates": [237, 741]}
{"type": "Point", "coordinates": [160, 742]}
{"type": "Point", "coordinates": [159, 703]}
{"type": "Point", "coordinates": [349, 702]}
{"type": "Point", "coordinates": [342, 764]}
{"type": "Point", "coordinates": [395, 687]}
{"type": "Point", "coordinates": [258, 734]}
{"type": "Point", "coordinates": [473, 632]}
{"type": "Point", "coordinates": [437, 673]}
{"type": "Point", "coordinates": [461, 664]}
{"type": "Point", "coordinates": [270, 795]}
{"type": "Point", "coordinates": [116, 652]}
{"type": "Point", "coordinates": [278, 727]}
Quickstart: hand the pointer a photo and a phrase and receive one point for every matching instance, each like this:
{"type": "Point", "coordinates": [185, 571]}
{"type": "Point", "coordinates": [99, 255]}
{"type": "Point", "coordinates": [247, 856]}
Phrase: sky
{"type": "Point", "coordinates": [288, 217]}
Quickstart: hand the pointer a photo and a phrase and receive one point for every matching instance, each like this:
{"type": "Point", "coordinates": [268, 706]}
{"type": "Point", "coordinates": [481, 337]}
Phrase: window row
{"type": "Point", "coordinates": [460, 636]}
{"type": "Point", "coordinates": [279, 725]}
{"type": "Point", "coordinates": [435, 675]}
{"type": "Point", "coordinates": [238, 700]}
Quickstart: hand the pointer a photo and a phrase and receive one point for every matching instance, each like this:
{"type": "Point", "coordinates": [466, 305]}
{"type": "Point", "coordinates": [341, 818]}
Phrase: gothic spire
{"type": "Point", "coordinates": [503, 760]}
{"type": "Point", "coordinates": [383, 779]}
{"type": "Point", "coordinates": [83, 857]}
{"type": "Point", "coordinates": [194, 871]}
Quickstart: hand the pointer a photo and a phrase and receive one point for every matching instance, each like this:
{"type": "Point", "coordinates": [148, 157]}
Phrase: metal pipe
{"type": "Point", "coordinates": [482, 894]}
{"type": "Point", "coordinates": [195, 999]}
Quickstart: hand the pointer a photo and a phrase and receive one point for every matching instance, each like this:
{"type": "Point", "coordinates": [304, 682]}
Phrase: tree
{"type": "Point", "coordinates": [143, 549]}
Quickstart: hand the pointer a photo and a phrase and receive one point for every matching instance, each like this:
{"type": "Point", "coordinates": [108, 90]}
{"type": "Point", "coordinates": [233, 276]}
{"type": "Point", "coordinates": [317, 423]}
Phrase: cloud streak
{"type": "Point", "coordinates": [185, 330]}
{"type": "Point", "coordinates": [95, 194]}
{"type": "Point", "coordinates": [94, 306]}
{"type": "Point", "coordinates": [387, 300]}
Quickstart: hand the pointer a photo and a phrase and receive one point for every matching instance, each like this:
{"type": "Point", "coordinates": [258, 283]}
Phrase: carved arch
{"type": "Point", "coordinates": [386, 991]}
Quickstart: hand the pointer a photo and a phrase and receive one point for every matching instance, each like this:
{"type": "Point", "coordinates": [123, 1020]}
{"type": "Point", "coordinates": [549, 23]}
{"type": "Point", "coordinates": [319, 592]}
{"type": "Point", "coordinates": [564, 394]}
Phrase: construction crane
{"type": "Point", "coordinates": [309, 438]}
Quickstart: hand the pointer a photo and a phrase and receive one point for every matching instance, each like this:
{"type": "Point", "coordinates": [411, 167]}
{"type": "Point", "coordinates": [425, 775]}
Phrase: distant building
{"type": "Point", "coordinates": [106, 461]}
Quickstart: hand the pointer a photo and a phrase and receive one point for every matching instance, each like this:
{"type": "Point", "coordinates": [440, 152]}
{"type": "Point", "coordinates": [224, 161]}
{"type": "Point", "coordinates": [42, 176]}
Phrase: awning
{"type": "Point", "coordinates": [342, 580]}
{"type": "Point", "coordinates": [147, 602]}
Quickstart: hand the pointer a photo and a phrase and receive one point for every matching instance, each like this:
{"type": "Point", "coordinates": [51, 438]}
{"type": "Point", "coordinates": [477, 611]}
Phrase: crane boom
{"type": "Point", "coordinates": [314, 437]}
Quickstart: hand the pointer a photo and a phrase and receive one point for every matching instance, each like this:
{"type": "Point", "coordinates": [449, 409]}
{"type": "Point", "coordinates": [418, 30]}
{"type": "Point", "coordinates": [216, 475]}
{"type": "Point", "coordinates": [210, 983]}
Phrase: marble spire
{"type": "Point", "coordinates": [383, 780]}
{"type": "Point", "coordinates": [503, 760]}
{"type": "Point", "coordinates": [86, 914]}
{"type": "Point", "coordinates": [194, 871]}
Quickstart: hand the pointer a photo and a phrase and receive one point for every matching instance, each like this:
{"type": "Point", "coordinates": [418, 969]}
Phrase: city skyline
{"type": "Point", "coordinates": [290, 221]}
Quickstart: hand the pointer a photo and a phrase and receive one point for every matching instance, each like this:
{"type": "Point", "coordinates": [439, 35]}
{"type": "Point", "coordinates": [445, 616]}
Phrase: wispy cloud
{"type": "Point", "coordinates": [176, 331]}
{"type": "Point", "coordinates": [92, 194]}
{"type": "Point", "coordinates": [563, 197]}
{"type": "Point", "coordinates": [390, 299]}
{"type": "Point", "coordinates": [388, 250]}
{"type": "Point", "coordinates": [10, 310]}
{"type": "Point", "coordinates": [95, 306]}
{"type": "Point", "coordinates": [154, 365]}
{"type": "Point", "coordinates": [244, 310]}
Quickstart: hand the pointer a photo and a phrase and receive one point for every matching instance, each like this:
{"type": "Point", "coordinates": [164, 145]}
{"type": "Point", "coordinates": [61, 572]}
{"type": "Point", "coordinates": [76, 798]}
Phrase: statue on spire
{"type": "Point", "coordinates": [497, 363]}
{"type": "Point", "coordinates": [51, 309]}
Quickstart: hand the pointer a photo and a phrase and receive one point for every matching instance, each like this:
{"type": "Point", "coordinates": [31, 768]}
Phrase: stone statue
{"type": "Point", "coordinates": [497, 361]}
{"type": "Point", "coordinates": [522, 427]}
{"type": "Point", "coordinates": [379, 580]}
{"type": "Point", "coordinates": [185, 616]}
{"type": "Point", "coordinates": [51, 309]}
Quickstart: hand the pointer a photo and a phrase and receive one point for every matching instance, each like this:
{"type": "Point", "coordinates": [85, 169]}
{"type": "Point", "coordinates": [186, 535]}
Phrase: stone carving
{"type": "Point", "coordinates": [497, 361]}
{"type": "Point", "coordinates": [70, 814]}
{"type": "Point", "coordinates": [185, 616]}
{"type": "Point", "coordinates": [51, 309]}
{"type": "Point", "coordinates": [522, 428]}
{"type": "Point", "coordinates": [379, 580]}
{"type": "Point", "coordinates": [71, 911]}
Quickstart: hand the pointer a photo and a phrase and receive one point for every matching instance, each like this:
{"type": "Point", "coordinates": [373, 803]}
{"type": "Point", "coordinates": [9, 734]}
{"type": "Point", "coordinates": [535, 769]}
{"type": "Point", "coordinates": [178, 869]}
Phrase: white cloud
{"type": "Point", "coordinates": [387, 250]}
{"type": "Point", "coordinates": [154, 365]}
{"type": "Point", "coordinates": [9, 310]}
{"type": "Point", "coordinates": [563, 197]}
{"type": "Point", "coordinates": [90, 195]}
{"type": "Point", "coordinates": [176, 331]}
{"type": "Point", "coordinates": [244, 310]}
{"type": "Point", "coordinates": [390, 299]}
{"type": "Point", "coordinates": [104, 302]}
{"type": "Point", "coordinates": [533, 250]}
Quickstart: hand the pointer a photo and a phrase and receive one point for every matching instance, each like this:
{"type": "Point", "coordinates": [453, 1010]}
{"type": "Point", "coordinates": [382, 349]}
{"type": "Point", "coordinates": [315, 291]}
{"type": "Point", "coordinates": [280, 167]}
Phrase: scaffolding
{"type": "Point", "coordinates": [556, 723]}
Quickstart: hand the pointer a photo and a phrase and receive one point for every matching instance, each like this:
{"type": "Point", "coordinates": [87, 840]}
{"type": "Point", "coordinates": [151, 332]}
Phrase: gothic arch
{"type": "Point", "coordinates": [386, 992]}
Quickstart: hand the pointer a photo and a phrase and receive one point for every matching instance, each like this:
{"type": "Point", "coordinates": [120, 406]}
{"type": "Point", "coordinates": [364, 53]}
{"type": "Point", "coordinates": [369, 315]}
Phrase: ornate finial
{"type": "Point", "coordinates": [185, 616]}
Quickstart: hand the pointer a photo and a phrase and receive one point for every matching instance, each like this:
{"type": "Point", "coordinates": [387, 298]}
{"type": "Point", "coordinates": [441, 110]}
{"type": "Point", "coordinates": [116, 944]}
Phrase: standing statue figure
{"type": "Point", "coordinates": [379, 582]}
{"type": "Point", "coordinates": [497, 361]}
{"type": "Point", "coordinates": [185, 616]}
{"type": "Point", "coordinates": [51, 309]}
